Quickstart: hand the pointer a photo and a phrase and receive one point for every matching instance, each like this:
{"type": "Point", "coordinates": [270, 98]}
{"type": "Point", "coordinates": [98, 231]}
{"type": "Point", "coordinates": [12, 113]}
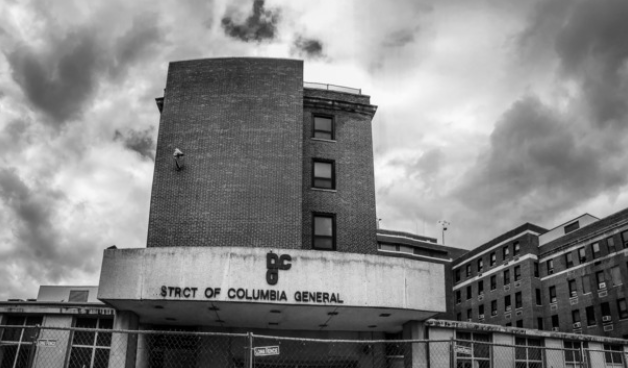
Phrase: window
{"type": "Point", "coordinates": [493, 282]}
{"type": "Point", "coordinates": [507, 303]}
{"type": "Point", "coordinates": [573, 354]}
{"type": "Point", "coordinates": [572, 227]}
{"type": "Point", "coordinates": [575, 316]}
{"type": "Point", "coordinates": [568, 260]}
{"type": "Point", "coordinates": [550, 266]}
{"type": "Point", "coordinates": [469, 314]}
{"type": "Point", "coordinates": [517, 273]}
{"type": "Point", "coordinates": [480, 265]}
{"type": "Point", "coordinates": [494, 308]}
{"type": "Point", "coordinates": [595, 249]}
{"type": "Point", "coordinates": [457, 275]}
{"type": "Point", "coordinates": [323, 127]}
{"type": "Point", "coordinates": [493, 259]}
{"type": "Point", "coordinates": [586, 284]}
{"type": "Point", "coordinates": [527, 352]}
{"type": "Point", "coordinates": [555, 322]}
{"type": "Point", "coordinates": [613, 355]}
{"type": "Point", "coordinates": [506, 277]}
{"type": "Point", "coordinates": [480, 287]}
{"type": "Point", "coordinates": [78, 295]}
{"type": "Point", "coordinates": [469, 292]}
{"type": "Point", "coordinates": [582, 255]}
{"type": "Point", "coordinates": [624, 238]}
{"type": "Point", "coordinates": [539, 300]}
{"type": "Point", "coordinates": [506, 252]}
{"type": "Point", "coordinates": [459, 317]}
{"type": "Point", "coordinates": [552, 294]}
{"type": "Point", "coordinates": [622, 308]}
{"type": "Point", "coordinates": [458, 297]}
{"type": "Point", "coordinates": [573, 290]}
{"type": "Point", "coordinates": [91, 349]}
{"type": "Point", "coordinates": [519, 323]}
{"type": "Point", "coordinates": [610, 245]}
{"type": "Point", "coordinates": [539, 323]}
{"type": "Point", "coordinates": [468, 270]}
{"type": "Point", "coordinates": [516, 249]}
{"type": "Point", "coordinates": [601, 280]}
{"type": "Point", "coordinates": [606, 312]}
{"type": "Point", "coordinates": [590, 312]}
{"type": "Point", "coordinates": [324, 232]}
{"type": "Point", "coordinates": [481, 311]}
{"type": "Point", "coordinates": [518, 300]}
{"type": "Point", "coordinates": [616, 276]}
{"type": "Point", "coordinates": [323, 174]}
{"type": "Point", "coordinates": [480, 351]}
{"type": "Point", "coordinates": [18, 343]}
{"type": "Point", "coordinates": [536, 269]}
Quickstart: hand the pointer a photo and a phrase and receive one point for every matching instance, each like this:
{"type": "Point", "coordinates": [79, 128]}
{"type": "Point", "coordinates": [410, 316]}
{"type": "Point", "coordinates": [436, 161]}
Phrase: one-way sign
{"type": "Point", "coordinates": [266, 351]}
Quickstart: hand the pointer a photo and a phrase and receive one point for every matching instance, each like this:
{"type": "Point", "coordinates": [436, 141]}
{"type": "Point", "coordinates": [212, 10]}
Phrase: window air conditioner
{"type": "Point", "coordinates": [555, 329]}
{"type": "Point", "coordinates": [553, 300]}
{"type": "Point", "coordinates": [606, 318]}
{"type": "Point", "coordinates": [470, 320]}
{"type": "Point", "coordinates": [574, 294]}
{"type": "Point", "coordinates": [481, 316]}
{"type": "Point", "coordinates": [576, 325]}
{"type": "Point", "coordinates": [602, 285]}
{"type": "Point", "coordinates": [480, 297]}
{"type": "Point", "coordinates": [550, 271]}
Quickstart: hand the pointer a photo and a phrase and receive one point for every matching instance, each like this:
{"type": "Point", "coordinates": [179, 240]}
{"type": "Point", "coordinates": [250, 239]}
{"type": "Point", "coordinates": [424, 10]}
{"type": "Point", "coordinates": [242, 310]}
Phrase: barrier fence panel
{"type": "Point", "coordinates": [97, 345]}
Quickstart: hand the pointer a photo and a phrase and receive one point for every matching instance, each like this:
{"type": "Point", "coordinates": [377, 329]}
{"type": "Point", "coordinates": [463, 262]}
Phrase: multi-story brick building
{"type": "Point", "coordinates": [569, 278]}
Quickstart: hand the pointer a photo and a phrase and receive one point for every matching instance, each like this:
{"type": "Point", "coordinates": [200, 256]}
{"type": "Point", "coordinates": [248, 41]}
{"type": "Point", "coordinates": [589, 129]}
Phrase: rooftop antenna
{"type": "Point", "coordinates": [444, 224]}
{"type": "Point", "coordinates": [378, 221]}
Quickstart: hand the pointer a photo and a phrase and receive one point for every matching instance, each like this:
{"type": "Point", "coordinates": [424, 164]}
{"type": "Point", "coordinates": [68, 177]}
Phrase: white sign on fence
{"type": "Point", "coordinates": [47, 343]}
{"type": "Point", "coordinates": [266, 351]}
{"type": "Point", "coordinates": [462, 349]}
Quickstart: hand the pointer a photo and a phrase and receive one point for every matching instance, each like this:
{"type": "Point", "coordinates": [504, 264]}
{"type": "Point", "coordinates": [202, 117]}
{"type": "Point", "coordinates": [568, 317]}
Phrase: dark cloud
{"type": "Point", "coordinates": [307, 47]}
{"type": "Point", "coordinates": [537, 164]}
{"type": "Point", "coordinates": [141, 142]}
{"type": "Point", "coordinates": [62, 79]}
{"type": "Point", "coordinates": [261, 25]}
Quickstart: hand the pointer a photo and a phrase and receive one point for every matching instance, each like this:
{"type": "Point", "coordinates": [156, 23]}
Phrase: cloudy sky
{"type": "Point", "coordinates": [491, 113]}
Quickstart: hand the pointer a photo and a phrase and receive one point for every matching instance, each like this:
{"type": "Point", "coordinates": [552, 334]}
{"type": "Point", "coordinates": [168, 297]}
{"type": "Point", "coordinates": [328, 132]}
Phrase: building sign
{"type": "Point", "coordinates": [274, 263]}
{"type": "Point", "coordinates": [266, 351]}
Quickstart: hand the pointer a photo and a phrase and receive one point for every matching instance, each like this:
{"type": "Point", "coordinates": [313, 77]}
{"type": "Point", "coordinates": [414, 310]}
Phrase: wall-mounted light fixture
{"type": "Point", "coordinates": [178, 156]}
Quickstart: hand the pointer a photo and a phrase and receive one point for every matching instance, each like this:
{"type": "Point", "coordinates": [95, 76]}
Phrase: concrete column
{"type": "Point", "coordinates": [416, 356]}
{"type": "Point", "coordinates": [124, 345]}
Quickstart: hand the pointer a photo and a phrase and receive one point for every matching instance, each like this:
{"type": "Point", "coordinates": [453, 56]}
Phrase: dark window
{"type": "Point", "coordinates": [568, 260]}
{"type": "Point", "coordinates": [590, 312]}
{"type": "Point", "coordinates": [458, 297]}
{"type": "Point", "coordinates": [469, 314]}
{"type": "Point", "coordinates": [324, 232]}
{"type": "Point", "coordinates": [517, 273]}
{"type": "Point", "coordinates": [539, 323]}
{"type": "Point", "coordinates": [573, 290]}
{"type": "Point", "coordinates": [480, 349]}
{"type": "Point", "coordinates": [457, 275]}
{"type": "Point", "coordinates": [601, 280]}
{"type": "Point", "coordinates": [622, 308]}
{"type": "Point", "coordinates": [610, 244]}
{"type": "Point", "coordinates": [539, 300]}
{"type": "Point", "coordinates": [624, 238]}
{"type": "Point", "coordinates": [506, 277]}
{"type": "Point", "coordinates": [506, 252]}
{"type": "Point", "coordinates": [90, 349]}
{"type": "Point", "coordinates": [527, 351]}
{"type": "Point", "coordinates": [595, 249]}
{"type": "Point", "coordinates": [323, 174]}
{"type": "Point", "coordinates": [323, 127]}
{"type": "Point", "coordinates": [469, 292]}
{"type": "Point", "coordinates": [493, 259]}
{"type": "Point", "coordinates": [493, 282]}
{"type": "Point", "coordinates": [468, 269]}
{"type": "Point", "coordinates": [507, 303]}
{"type": "Point", "coordinates": [518, 300]}
{"type": "Point", "coordinates": [480, 265]}
{"type": "Point", "coordinates": [459, 317]}
{"type": "Point", "coordinates": [552, 294]}
{"type": "Point", "coordinates": [613, 355]}
{"type": "Point", "coordinates": [536, 269]}
{"type": "Point", "coordinates": [571, 227]}
{"type": "Point", "coordinates": [616, 276]}
{"type": "Point", "coordinates": [481, 311]}
{"type": "Point", "coordinates": [555, 322]}
{"type": "Point", "coordinates": [519, 323]}
{"type": "Point", "coordinates": [494, 308]}
{"type": "Point", "coordinates": [575, 316]}
{"type": "Point", "coordinates": [78, 295]}
{"type": "Point", "coordinates": [586, 284]}
{"type": "Point", "coordinates": [18, 343]}
{"type": "Point", "coordinates": [582, 255]}
{"type": "Point", "coordinates": [516, 248]}
{"type": "Point", "coordinates": [606, 312]}
{"type": "Point", "coordinates": [480, 287]}
{"type": "Point", "coordinates": [573, 354]}
{"type": "Point", "coordinates": [550, 266]}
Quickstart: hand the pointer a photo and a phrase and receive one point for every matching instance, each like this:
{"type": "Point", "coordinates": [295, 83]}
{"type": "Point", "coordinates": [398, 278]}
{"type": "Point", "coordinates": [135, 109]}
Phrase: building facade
{"type": "Point", "coordinates": [569, 278]}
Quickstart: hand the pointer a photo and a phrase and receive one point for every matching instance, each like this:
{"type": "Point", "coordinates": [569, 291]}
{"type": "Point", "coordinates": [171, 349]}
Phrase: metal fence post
{"type": "Point", "coordinates": [250, 338]}
{"type": "Point", "coordinates": [452, 349]}
{"type": "Point", "coordinates": [583, 356]}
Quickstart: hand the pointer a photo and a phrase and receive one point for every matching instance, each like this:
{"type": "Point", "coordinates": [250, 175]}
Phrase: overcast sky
{"type": "Point", "coordinates": [491, 113]}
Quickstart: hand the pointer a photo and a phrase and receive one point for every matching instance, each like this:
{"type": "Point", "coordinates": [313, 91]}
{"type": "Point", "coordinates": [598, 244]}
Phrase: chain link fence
{"type": "Point", "coordinates": [99, 346]}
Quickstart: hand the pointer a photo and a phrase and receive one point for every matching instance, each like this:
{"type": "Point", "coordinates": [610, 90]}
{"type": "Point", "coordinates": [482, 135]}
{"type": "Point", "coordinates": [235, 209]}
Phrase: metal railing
{"type": "Point", "coordinates": [57, 347]}
{"type": "Point", "coordinates": [332, 87]}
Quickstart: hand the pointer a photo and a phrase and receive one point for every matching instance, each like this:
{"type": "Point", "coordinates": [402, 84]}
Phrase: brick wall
{"type": "Point", "coordinates": [238, 123]}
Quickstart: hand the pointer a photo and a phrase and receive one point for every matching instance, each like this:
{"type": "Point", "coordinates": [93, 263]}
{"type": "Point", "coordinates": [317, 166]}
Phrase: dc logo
{"type": "Point", "coordinates": [274, 263]}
